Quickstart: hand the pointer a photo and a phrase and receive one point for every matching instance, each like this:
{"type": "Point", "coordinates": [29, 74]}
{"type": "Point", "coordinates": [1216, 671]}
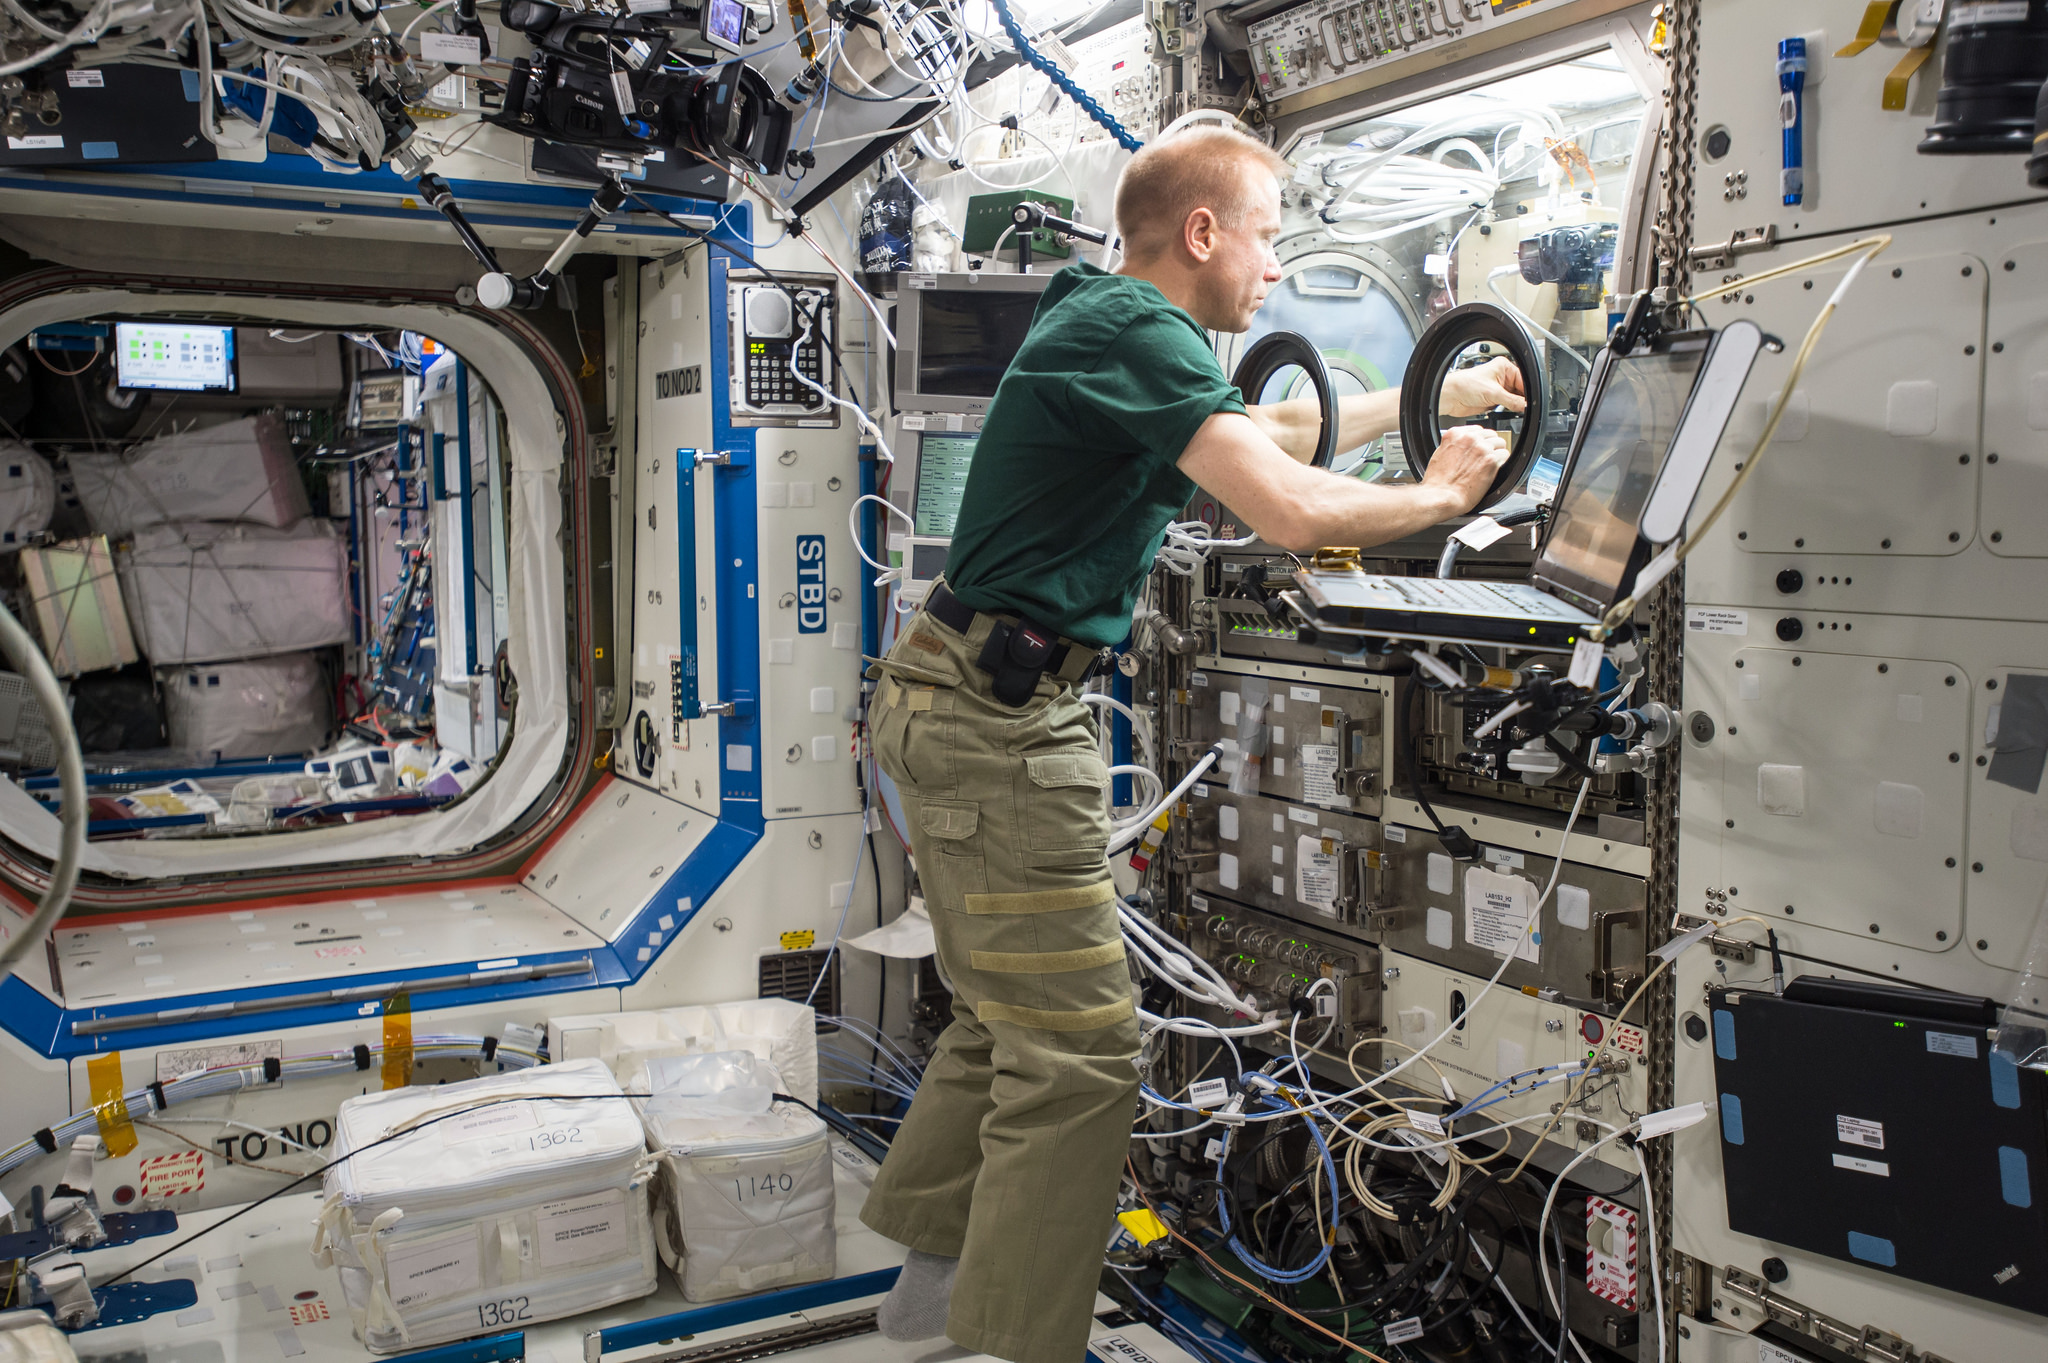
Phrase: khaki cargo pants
{"type": "Point", "coordinates": [1012, 1152]}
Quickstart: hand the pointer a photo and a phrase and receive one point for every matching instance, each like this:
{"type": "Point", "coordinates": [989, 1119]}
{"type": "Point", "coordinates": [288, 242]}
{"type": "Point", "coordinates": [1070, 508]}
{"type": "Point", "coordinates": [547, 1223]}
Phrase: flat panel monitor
{"type": "Point", "coordinates": [942, 464]}
{"type": "Point", "coordinates": [956, 335]}
{"type": "Point", "coordinates": [1633, 414]}
{"type": "Point", "coordinates": [175, 356]}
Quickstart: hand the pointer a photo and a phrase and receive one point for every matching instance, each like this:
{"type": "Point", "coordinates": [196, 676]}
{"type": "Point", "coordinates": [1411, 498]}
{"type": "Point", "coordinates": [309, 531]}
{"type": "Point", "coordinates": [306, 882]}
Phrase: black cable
{"type": "Point", "coordinates": [1859, 970]}
{"type": "Point", "coordinates": [831, 341]}
{"type": "Point", "coordinates": [1457, 842]}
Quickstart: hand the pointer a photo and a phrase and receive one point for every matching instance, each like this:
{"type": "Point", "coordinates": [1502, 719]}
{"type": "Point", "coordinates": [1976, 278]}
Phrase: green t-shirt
{"type": "Point", "coordinates": [1074, 478]}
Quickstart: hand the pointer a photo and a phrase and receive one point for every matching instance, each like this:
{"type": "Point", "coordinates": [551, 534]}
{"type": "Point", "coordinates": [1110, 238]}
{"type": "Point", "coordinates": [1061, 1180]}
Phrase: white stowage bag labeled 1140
{"type": "Point", "coordinates": [485, 1205]}
{"type": "Point", "coordinates": [746, 1181]}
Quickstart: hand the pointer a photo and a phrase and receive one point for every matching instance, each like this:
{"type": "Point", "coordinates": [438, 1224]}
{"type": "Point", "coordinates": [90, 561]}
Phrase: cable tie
{"type": "Point", "coordinates": [362, 1054]}
{"type": "Point", "coordinates": [156, 1095]}
{"type": "Point", "coordinates": [490, 1048]}
{"type": "Point", "coordinates": [273, 1069]}
{"type": "Point", "coordinates": [48, 1140]}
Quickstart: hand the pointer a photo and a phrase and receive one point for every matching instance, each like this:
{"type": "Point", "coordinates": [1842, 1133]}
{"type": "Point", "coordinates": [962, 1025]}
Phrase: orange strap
{"type": "Point", "coordinates": [109, 1108]}
{"type": "Point", "coordinates": [397, 1041]}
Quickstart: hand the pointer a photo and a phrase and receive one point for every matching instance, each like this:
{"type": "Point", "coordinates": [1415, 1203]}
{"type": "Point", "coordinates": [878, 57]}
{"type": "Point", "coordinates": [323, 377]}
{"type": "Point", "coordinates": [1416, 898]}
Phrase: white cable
{"type": "Point", "coordinates": [1535, 914]}
{"type": "Point", "coordinates": [853, 527]}
{"type": "Point", "coordinates": [28, 660]}
{"type": "Point", "coordinates": [1129, 836]}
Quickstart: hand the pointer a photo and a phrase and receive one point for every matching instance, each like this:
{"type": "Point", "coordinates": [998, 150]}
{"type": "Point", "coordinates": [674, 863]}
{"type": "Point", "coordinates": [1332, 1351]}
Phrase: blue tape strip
{"type": "Point", "coordinates": [2005, 1080]}
{"type": "Point", "coordinates": [1873, 1249]}
{"type": "Point", "coordinates": [746, 1309]}
{"type": "Point", "coordinates": [494, 1349]}
{"type": "Point", "coordinates": [2013, 1180]}
{"type": "Point", "coordinates": [1724, 1034]}
{"type": "Point", "coordinates": [1731, 1119]}
{"type": "Point", "coordinates": [191, 80]}
{"type": "Point", "coordinates": [100, 151]}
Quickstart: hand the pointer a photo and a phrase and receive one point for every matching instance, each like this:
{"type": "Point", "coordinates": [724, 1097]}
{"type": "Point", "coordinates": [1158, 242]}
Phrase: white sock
{"type": "Point", "coordinates": [915, 1308]}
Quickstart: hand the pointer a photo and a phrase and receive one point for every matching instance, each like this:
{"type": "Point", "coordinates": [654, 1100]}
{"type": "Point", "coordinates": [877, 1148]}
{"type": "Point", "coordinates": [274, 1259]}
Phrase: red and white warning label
{"type": "Point", "coordinates": [172, 1175]}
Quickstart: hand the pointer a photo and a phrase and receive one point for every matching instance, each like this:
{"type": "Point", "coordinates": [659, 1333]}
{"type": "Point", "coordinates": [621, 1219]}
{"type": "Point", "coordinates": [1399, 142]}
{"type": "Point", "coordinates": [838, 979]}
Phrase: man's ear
{"type": "Point", "coordinates": [1198, 235]}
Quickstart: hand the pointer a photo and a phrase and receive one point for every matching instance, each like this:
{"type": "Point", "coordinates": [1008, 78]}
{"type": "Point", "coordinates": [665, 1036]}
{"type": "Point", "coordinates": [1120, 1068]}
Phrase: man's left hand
{"type": "Point", "coordinates": [1469, 392]}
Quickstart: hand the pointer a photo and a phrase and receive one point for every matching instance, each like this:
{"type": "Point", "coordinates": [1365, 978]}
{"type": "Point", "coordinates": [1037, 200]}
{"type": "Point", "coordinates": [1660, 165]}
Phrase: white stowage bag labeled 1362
{"type": "Point", "coordinates": [488, 1204]}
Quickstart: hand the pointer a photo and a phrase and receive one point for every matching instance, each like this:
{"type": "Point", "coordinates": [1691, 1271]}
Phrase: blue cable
{"type": "Point", "coordinates": [1278, 1275]}
{"type": "Point", "coordinates": [1041, 62]}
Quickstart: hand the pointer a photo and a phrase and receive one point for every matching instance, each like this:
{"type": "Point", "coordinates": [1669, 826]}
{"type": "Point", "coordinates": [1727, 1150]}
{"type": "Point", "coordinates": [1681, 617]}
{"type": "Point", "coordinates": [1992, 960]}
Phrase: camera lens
{"type": "Point", "coordinates": [1990, 81]}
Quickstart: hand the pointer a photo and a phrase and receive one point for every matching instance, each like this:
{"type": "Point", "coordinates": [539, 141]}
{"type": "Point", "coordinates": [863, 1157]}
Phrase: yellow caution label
{"type": "Point", "coordinates": [117, 1133]}
{"type": "Point", "coordinates": [799, 941]}
{"type": "Point", "coordinates": [1143, 1225]}
{"type": "Point", "coordinates": [397, 1041]}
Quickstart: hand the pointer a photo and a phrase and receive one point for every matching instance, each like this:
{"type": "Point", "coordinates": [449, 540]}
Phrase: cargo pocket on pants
{"type": "Point", "coordinates": [1065, 821]}
{"type": "Point", "coordinates": [952, 829]}
{"type": "Point", "coordinates": [913, 735]}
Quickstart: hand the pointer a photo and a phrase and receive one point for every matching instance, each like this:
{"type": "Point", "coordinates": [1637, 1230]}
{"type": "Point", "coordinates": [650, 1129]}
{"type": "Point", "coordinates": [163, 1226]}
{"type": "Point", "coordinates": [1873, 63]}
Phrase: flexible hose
{"type": "Point", "coordinates": [28, 660]}
{"type": "Point", "coordinates": [1051, 68]}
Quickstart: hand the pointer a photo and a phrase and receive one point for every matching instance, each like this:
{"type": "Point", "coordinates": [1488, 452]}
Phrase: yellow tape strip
{"type": "Point", "coordinates": [1042, 901]}
{"type": "Point", "coordinates": [1143, 1225]}
{"type": "Point", "coordinates": [1046, 962]}
{"type": "Point", "coordinates": [117, 1133]}
{"type": "Point", "coordinates": [1867, 32]}
{"type": "Point", "coordinates": [397, 1041]}
{"type": "Point", "coordinates": [1049, 1020]}
{"type": "Point", "coordinates": [1901, 76]}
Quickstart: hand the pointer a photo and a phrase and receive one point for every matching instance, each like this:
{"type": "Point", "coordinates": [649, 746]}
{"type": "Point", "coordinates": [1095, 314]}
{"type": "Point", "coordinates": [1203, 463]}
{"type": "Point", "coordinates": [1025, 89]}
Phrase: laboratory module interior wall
{"type": "Point", "coordinates": [460, 462]}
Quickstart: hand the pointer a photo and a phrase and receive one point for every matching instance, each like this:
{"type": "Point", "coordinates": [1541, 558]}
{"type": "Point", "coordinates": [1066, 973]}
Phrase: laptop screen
{"type": "Point", "coordinates": [1620, 446]}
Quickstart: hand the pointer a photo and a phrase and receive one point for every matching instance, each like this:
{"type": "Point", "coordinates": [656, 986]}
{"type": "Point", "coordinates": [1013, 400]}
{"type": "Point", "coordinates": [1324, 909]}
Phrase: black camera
{"type": "Point", "coordinates": [1571, 258]}
{"type": "Point", "coordinates": [619, 84]}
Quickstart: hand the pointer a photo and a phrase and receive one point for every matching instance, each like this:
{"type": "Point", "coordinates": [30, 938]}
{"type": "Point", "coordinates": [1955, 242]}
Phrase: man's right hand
{"type": "Point", "coordinates": [1465, 465]}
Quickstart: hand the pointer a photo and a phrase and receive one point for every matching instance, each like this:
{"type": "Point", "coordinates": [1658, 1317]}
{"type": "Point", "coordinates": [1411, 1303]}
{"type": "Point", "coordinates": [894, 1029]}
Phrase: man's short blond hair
{"type": "Point", "coordinates": [1199, 168]}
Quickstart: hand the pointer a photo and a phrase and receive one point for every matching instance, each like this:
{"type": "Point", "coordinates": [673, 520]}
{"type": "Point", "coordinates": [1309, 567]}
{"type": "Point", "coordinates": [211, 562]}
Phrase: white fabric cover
{"type": "Point", "coordinates": [531, 759]}
{"type": "Point", "coordinates": [201, 593]}
{"type": "Point", "coordinates": [31, 1337]}
{"type": "Point", "coordinates": [779, 1031]}
{"type": "Point", "coordinates": [491, 1210]}
{"type": "Point", "coordinates": [240, 471]}
{"type": "Point", "coordinates": [269, 707]}
{"type": "Point", "coordinates": [747, 1191]}
{"type": "Point", "coordinates": [28, 494]}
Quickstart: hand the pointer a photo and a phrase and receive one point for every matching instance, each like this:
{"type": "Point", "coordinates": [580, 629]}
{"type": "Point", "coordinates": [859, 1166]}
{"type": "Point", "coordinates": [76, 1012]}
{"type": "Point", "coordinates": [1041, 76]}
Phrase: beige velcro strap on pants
{"type": "Point", "coordinates": [1057, 1020]}
{"type": "Point", "coordinates": [1041, 901]}
{"type": "Point", "coordinates": [1046, 962]}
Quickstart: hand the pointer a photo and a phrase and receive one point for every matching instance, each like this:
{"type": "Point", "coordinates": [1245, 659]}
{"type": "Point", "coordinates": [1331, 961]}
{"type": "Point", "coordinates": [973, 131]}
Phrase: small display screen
{"type": "Point", "coordinates": [1626, 437]}
{"type": "Point", "coordinates": [159, 355]}
{"type": "Point", "coordinates": [725, 21]}
{"type": "Point", "coordinates": [942, 463]}
{"type": "Point", "coordinates": [967, 338]}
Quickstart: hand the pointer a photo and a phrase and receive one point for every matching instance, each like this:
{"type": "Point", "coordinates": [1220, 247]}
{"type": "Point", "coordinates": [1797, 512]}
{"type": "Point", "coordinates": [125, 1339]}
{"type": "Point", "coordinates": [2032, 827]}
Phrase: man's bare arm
{"type": "Point", "coordinates": [1296, 507]}
{"type": "Point", "coordinates": [1297, 424]}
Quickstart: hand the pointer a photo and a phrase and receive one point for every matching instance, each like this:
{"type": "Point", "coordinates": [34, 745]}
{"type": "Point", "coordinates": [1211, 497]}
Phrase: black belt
{"type": "Point", "coordinates": [1019, 650]}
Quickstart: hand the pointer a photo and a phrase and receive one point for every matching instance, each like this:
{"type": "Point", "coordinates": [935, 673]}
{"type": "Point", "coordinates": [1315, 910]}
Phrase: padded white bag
{"type": "Point", "coordinates": [238, 471]}
{"type": "Point", "coordinates": [496, 1205]}
{"type": "Point", "coordinates": [261, 708]}
{"type": "Point", "coordinates": [28, 494]}
{"type": "Point", "coordinates": [747, 1198]}
{"type": "Point", "coordinates": [782, 1032]}
{"type": "Point", "coordinates": [200, 593]}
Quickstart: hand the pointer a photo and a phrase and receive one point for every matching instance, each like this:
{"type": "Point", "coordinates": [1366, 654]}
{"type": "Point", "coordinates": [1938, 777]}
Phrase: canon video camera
{"type": "Point", "coordinates": [619, 84]}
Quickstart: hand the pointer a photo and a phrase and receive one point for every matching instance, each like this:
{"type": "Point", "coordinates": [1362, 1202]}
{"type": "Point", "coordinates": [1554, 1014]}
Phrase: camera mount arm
{"type": "Point", "coordinates": [498, 290]}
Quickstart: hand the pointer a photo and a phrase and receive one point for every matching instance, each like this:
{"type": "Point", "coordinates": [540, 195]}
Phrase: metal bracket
{"type": "Point", "coordinates": [1722, 254]}
{"type": "Point", "coordinates": [1720, 943]}
{"type": "Point", "coordinates": [703, 457]}
{"type": "Point", "coordinates": [1867, 1344]}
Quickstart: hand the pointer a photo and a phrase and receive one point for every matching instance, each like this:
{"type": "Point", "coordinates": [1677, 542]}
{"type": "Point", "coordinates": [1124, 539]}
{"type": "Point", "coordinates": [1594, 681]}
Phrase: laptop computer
{"type": "Point", "coordinates": [1647, 430]}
